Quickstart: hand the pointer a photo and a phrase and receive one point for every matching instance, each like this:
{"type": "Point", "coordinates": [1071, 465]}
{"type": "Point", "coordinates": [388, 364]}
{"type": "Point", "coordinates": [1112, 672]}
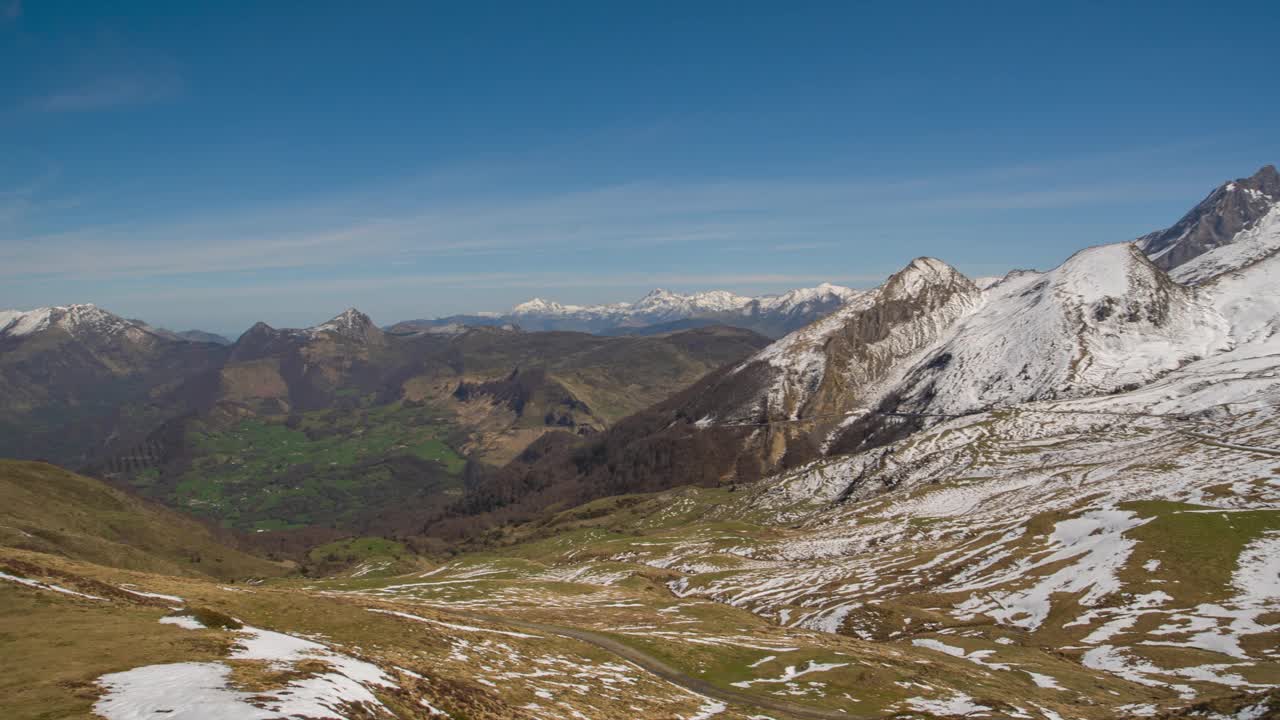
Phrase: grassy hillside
{"type": "Point", "coordinates": [46, 509]}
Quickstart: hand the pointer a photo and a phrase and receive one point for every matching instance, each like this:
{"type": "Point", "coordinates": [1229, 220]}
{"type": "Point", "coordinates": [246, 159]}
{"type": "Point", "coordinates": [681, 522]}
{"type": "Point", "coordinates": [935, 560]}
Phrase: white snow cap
{"type": "Point", "coordinates": [662, 303]}
{"type": "Point", "coordinates": [74, 319]}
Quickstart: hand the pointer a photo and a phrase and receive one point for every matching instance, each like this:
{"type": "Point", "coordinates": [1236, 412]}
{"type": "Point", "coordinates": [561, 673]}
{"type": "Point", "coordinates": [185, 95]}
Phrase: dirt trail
{"type": "Point", "coordinates": [670, 674]}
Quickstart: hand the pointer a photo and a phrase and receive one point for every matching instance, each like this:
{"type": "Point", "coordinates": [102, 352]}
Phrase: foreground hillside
{"type": "Point", "coordinates": [1101, 557]}
{"type": "Point", "coordinates": [49, 510]}
{"type": "Point", "coordinates": [1093, 558]}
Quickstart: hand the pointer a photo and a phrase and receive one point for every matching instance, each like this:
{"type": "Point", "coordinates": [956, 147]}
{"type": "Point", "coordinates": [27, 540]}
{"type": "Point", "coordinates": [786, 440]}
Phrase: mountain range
{"type": "Point", "coordinates": [1047, 495]}
{"type": "Point", "coordinates": [661, 311]}
{"type": "Point", "coordinates": [236, 432]}
{"type": "Point", "coordinates": [930, 344]}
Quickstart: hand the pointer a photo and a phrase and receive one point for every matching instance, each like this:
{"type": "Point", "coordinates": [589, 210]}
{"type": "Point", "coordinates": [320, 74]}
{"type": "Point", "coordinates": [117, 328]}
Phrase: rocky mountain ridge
{"type": "Point", "coordinates": [1216, 222]}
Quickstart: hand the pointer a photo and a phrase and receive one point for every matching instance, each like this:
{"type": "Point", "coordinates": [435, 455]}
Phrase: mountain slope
{"type": "Point", "coordinates": [1109, 556]}
{"type": "Point", "coordinates": [740, 421]}
{"type": "Point", "coordinates": [46, 509]}
{"type": "Point", "coordinates": [1215, 223]}
{"type": "Point", "coordinates": [826, 366]}
{"type": "Point", "coordinates": [927, 344]}
{"type": "Point", "coordinates": [72, 378]}
{"type": "Point", "coordinates": [1105, 319]}
{"type": "Point", "coordinates": [1257, 241]}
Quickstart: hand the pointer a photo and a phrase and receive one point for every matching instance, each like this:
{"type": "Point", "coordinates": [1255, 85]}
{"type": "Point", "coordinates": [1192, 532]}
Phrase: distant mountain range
{"type": "Point", "coordinates": [337, 422]}
{"type": "Point", "coordinates": [662, 311]}
{"type": "Point", "coordinates": [931, 343]}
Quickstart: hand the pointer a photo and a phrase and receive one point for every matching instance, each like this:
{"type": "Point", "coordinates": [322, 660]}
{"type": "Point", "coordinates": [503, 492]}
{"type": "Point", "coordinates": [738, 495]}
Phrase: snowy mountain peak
{"type": "Point", "coordinates": [843, 361]}
{"type": "Point", "coordinates": [1216, 222]}
{"type": "Point", "coordinates": [771, 314]}
{"type": "Point", "coordinates": [657, 294]}
{"type": "Point", "coordinates": [802, 299]}
{"type": "Point", "coordinates": [663, 302]}
{"type": "Point", "coordinates": [351, 323]}
{"type": "Point", "coordinates": [349, 318]}
{"type": "Point", "coordinates": [1105, 319]}
{"type": "Point", "coordinates": [537, 306]}
{"type": "Point", "coordinates": [921, 274]}
{"type": "Point", "coordinates": [77, 320]}
{"type": "Point", "coordinates": [1101, 272]}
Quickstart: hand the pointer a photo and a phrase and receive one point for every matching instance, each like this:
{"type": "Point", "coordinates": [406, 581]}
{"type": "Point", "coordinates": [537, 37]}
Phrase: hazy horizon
{"type": "Point", "coordinates": [209, 168]}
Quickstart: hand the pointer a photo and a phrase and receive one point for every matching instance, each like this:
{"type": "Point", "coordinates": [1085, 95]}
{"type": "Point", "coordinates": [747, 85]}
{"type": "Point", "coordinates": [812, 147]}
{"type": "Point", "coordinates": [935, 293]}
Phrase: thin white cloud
{"type": "Point", "coordinates": [778, 216]}
{"type": "Point", "coordinates": [399, 227]}
{"type": "Point", "coordinates": [533, 280]}
{"type": "Point", "coordinates": [106, 92]}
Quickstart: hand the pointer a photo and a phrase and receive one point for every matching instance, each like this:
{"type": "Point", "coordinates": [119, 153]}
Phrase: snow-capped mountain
{"type": "Point", "coordinates": [66, 372]}
{"type": "Point", "coordinates": [88, 321]}
{"type": "Point", "coordinates": [347, 335]}
{"type": "Point", "coordinates": [930, 342]}
{"type": "Point", "coordinates": [821, 368]}
{"type": "Point", "coordinates": [1105, 319]}
{"type": "Point", "coordinates": [1258, 240]}
{"type": "Point", "coordinates": [771, 315]}
{"type": "Point", "coordinates": [663, 305]}
{"type": "Point", "coordinates": [1224, 218]}
{"type": "Point", "coordinates": [351, 324]}
{"type": "Point", "coordinates": [77, 320]}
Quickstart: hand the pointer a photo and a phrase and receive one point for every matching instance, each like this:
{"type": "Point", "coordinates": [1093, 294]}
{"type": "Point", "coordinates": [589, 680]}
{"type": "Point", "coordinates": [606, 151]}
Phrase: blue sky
{"type": "Point", "coordinates": [212, 164]}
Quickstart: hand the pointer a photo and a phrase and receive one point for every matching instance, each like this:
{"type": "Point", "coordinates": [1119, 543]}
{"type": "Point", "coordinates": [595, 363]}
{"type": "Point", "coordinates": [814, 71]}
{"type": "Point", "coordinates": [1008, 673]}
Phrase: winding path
{"type": "Point", "coordinates": [656, 666]}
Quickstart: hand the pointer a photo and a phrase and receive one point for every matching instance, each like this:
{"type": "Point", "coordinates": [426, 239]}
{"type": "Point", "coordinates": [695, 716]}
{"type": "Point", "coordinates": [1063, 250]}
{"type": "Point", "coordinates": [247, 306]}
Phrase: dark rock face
{"type": "Point", "coordinates": [1215, 221]}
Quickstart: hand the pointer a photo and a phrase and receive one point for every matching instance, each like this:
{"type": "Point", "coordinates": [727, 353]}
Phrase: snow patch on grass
{"type": "Point", "coordinates": [46, 586]}
{"type": "Point", "coordinates": [958, 704]}
{"type": "Point", "coordinates": [183, 621]}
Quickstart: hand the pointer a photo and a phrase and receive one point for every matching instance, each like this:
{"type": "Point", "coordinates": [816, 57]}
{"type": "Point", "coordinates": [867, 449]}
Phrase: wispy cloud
{"type": "Point", "coordinates": [11, 11]}
{"type": "Point", "coordinates": [762, 215]}
{"type": "Point", "coordinates": [489, 280]}
{"type": "Point", "coordinates": [106, 92]}
{"type": "Point", "coordinates": [398, 239]}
